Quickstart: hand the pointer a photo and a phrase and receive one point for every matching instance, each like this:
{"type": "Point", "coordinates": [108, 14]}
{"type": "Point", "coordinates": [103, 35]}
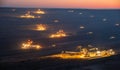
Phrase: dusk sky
{"type": "Point", "coordinates": [114, 4]}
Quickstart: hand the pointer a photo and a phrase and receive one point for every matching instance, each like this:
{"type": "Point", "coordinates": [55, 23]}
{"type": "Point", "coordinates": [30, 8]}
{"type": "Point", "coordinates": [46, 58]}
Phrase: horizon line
{"type": "Point", "coordinates": [58, 8]}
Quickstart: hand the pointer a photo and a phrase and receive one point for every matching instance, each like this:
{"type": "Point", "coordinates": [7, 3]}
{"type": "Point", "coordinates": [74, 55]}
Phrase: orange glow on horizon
{"type": "Point", "coordinates": [63, 3]}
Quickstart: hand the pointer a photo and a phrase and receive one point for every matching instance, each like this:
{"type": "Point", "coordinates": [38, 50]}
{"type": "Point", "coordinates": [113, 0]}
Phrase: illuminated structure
{"type": "Point", "coordinates": [13, 9]}
{"type": "Point", "coordinates": [41, 27]}
{"type": "Point", "coordinates": [90, 32]}
{"type": "Point", "coordinates": [82, 27]}
{"type": "Point", "coordinates": [58, 34]}
{"type": "Point", "coordinates": [71, 11]}
{"type": "Point", "coordinates": [80, 13]}
{"type": "Point", "coordinates": [112, 37]}
{"type": "Point", "coordinates": [92, 16]}
{"type": "Point", "coordinates": [104, 19]}
{"type": "Point", "coordinates": [27, 15]}
{"type": "Point", "coordinates": [39, 12]}
{"type": "Point", "coordinates": [29, 45]}
{"type": "Point", "coordinates": [85, 53]}
{"type": "Point", "coordinates": [117, 24]}
{"type": "Point", "coordinates": [56, 21]}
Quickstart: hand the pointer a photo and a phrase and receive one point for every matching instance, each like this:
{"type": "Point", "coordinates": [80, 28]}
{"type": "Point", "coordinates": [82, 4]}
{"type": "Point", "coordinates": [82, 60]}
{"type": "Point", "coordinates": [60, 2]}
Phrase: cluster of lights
{"type": "Point", "coordinates": [13, 9]}
{"type": "Point", "coordinates": [56, 21]}
{"type": "Point", "coordinates": [80, 13]}
{"type": "Point", "coordinates": [92, 16]}
{"type": "Point", "coordinates": [29, 45]}
{"type": "Point", "coordinates": [104, 19]}
{"type": "Point", "coordinates": [112, 37]}
{"type": "Point", "coordinates": [71, 11]}
{"type": "Point", "coordinates": [82, 27]}
{"type": "Point", "coordinates": [58, 34]}
{"type": "Point", "coordinates": [85, 53]}
{"type": "Point", "coordinates": [39, 12]}
{"type": "Point", "coordinates": [65, 54]}
{"type": "Point", "coordinates": [27, 15]}
{"type": "Point", "coordinates": [90, 32]}
{"type": "Point", "coordinates": [117, 24]}
{"type": "Point", "coordinates": [41, 27]}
